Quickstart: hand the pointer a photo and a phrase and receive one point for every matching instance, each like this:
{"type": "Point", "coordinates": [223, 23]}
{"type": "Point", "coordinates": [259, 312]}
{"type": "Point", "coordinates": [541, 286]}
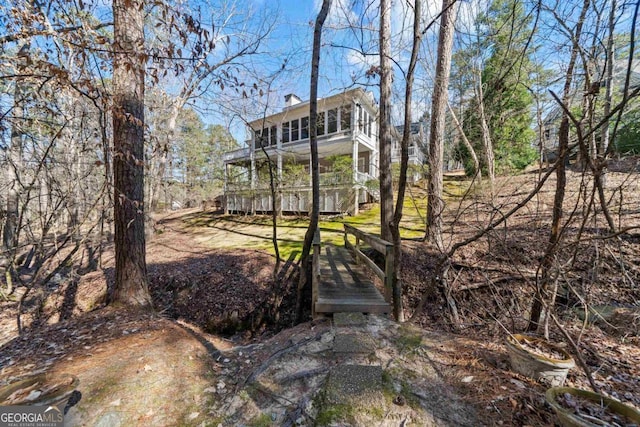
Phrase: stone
{"type": "Point", "coordinates": [110, 419]}
{"type": "Point", "coordinates": [349, 319]}
{"type": "Point", "coordinates": [350, 342]}
{"type": "Point", "coordinates": [355, 385]}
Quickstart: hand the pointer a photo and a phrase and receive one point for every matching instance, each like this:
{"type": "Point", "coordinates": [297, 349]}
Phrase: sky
{"type": "Point", "coordinates": [349, 49]}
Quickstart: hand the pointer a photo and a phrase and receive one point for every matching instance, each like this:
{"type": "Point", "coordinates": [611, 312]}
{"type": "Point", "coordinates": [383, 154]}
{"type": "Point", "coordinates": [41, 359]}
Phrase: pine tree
{"type": "Point", "coordinates": [505, 78]}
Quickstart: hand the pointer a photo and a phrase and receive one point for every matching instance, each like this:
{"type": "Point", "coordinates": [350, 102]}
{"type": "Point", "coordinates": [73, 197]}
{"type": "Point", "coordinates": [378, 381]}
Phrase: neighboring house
{"type": "Point", "coordinates": [348, 145]}
{"type": "Point", "coordinates": [417, 140]}
{"type": "Point", "coordinates": [551, 124]}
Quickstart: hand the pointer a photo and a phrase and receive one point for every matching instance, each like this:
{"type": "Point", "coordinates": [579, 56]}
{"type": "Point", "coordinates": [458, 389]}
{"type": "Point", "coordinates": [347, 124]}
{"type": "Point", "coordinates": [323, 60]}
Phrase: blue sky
{"type": "Point", "coordinates": [343, 64]}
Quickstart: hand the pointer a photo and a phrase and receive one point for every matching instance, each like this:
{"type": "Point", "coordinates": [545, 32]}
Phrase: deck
{"type": "Point", "coordinates": [343, 285]}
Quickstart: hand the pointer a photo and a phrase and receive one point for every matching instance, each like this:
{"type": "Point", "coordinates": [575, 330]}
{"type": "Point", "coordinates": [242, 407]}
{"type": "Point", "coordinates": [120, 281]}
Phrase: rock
{"type": "Point", "coordinates": [355, 384]}
{"type": "Point", "coordinates": [349, 319]}
{"type": "Point", "coordinates": [110, 419]}
{"type": "Point", "coordinates": [353, 343]}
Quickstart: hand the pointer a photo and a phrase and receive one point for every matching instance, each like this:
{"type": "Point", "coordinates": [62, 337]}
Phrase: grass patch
{"type": "Point", "coordinates": [333, 413]}
{"type": "Point", "coordinates": [390, 393]}
{"type": "Point", "coordinates": [263, 420]}
{"type": "Point", "coordinates": [409, 339]}
{"type": "Point", "coordinates": [255, 231]}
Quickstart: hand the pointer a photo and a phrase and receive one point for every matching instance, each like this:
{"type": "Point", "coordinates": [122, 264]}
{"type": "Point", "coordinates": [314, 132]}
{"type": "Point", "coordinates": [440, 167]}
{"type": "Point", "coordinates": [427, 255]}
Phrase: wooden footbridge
{"type": "Point", "coordinates": [341, 282]}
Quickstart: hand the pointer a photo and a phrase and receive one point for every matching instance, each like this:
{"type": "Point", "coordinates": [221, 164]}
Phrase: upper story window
{"type": "Point", "coordinates": [304, 127]}
{"type": "Point", "coordinates": [365, 120]}
{"type": "Point", "coordinates": [359, 117]}
{"type": "Point", "coordinates": [332, 120]}
{"type": "Point", "coordinates": [273, 137]}
{"type": "Point", "coordinates": [345, 117]}
{"type": "Point", "coordinates": [261, 138]}
{"type": "Point", "coordinates": [320, 128]}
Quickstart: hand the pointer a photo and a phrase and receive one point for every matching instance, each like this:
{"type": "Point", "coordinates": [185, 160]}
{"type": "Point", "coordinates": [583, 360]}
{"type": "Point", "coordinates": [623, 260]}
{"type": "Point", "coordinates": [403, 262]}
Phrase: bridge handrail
{"type": "Point", "coordinates": [380, 245]}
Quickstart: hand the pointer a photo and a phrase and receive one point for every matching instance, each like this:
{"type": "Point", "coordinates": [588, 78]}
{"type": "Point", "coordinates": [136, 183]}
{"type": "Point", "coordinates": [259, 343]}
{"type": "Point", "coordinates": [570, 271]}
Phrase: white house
{"type": "Point", "coordinates": [348, 143]}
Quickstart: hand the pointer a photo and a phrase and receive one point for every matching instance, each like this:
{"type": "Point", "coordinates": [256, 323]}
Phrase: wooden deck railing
{"type": "Point", "coordinates": [382, 246]}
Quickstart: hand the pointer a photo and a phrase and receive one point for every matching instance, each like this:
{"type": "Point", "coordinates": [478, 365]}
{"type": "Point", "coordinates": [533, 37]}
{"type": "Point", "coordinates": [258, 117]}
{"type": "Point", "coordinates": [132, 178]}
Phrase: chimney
{"type": "Point", "coordinates": [291, 100]}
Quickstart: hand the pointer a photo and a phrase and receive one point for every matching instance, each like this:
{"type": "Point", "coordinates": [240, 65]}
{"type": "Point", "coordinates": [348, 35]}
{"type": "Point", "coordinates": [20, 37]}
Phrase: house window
{"type": "Point", "coordinates": [547, 134]}
{"type": "Point", "coordinates": [359, 116]}
{"type": "Point", "coordinates": [369, 121]}
{"type": "Point", "coordinates": [365, 121]}
{"type": "Point", "coordinates": [285, 132]}
{"type": "Point", "coordinates": [332, 120]}
{"type": "Point", "coordinates": [295, 130]}
{"type": "Point", "coordinates": [320, 124]}
{"type": "Point", "coordinates": [345, 117]}
{"type": "Point", "coordinates": [274, 135]}
{"type": "Point", "coordinates": [261, 138]}
{"type": "Point", "coordinates": [304, 128]}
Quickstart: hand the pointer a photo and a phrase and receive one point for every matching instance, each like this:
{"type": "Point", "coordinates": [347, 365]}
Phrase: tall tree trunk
{"type": "Point", "coordinates": [162, 153]}
{"type": "Point", "coordinates": [398, 311]}
{"type": "Point", "coordinates": [561, 181]}
{"type": "Point", "coordinates": [610, 52]}
{"type": "Point", "coordinates": [131, 287]}
{"type": "Point", "coordinates": [386, 184]}
{"type": "Point", "coordinates": [487, 143]}
{"type": "Point", "coordinates": [305, 278]}
{"type": "Point", "coordinates": [438, 111]}
{"type": "Point", "coordinates": [10, 231]}
{"type": "Point", "coordinates": [477, 171]}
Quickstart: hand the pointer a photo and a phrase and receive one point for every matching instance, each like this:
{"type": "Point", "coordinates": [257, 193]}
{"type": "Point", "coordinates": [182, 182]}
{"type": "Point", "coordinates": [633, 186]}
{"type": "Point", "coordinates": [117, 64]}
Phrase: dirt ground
{"type": "Point", "coordinates": [190, 363]}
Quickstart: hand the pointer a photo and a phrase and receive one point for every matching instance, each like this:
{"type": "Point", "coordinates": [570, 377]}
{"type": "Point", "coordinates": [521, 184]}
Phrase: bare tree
{"type": "Point", "coordinates": [487, 143]}
{"type": "Point", "coordinates": [561, 182]}
{"type": "Point", "coordinates": [436, 136]}
{"type": "Point", "coordinates": [385, 143]}
{"type": "Point", "coordinates": [10, 231]}
{"type": "Point", "coordinates": [131, 287]}
{"type": "Point", "coordinates": [213, 52]}
{"type": "Point", "coordinates": [398, 310]}
{"type": "Point", "coordinates": [305, 278]}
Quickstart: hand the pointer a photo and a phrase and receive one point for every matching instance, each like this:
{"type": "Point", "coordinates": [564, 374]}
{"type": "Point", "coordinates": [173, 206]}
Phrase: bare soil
{"type": "Point", "coordinates": [214, 352]}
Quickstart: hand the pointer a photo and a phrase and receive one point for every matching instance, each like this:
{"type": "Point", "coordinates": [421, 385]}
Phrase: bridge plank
{"type": "Point", "coordinates": [344, 285]}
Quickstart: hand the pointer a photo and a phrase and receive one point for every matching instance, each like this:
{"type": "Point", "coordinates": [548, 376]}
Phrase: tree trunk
{"type": "Point", "coordinates": [386, 184]}
{"type": "Point", "coordinates": [477, 171]}
{"type": "Point", "coordinates": [487, 143]}
{"type": "Point", "coordinates": [305, 279]}
{"type": "Point", "coordinates": [131, 286]}
{"type": "Point", "coordinates": [398, 311]}
{"type": "Point", "coordinates": [438, 111]}
{"type": "Point", "coordinates": [10, 231]}
{"type": "Point", "coordinates": [561, 180]}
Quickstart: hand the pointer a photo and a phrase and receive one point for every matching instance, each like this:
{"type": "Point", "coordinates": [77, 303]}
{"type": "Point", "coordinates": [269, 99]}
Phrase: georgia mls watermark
{"type": "Point", "coordinates": [31, 416]}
